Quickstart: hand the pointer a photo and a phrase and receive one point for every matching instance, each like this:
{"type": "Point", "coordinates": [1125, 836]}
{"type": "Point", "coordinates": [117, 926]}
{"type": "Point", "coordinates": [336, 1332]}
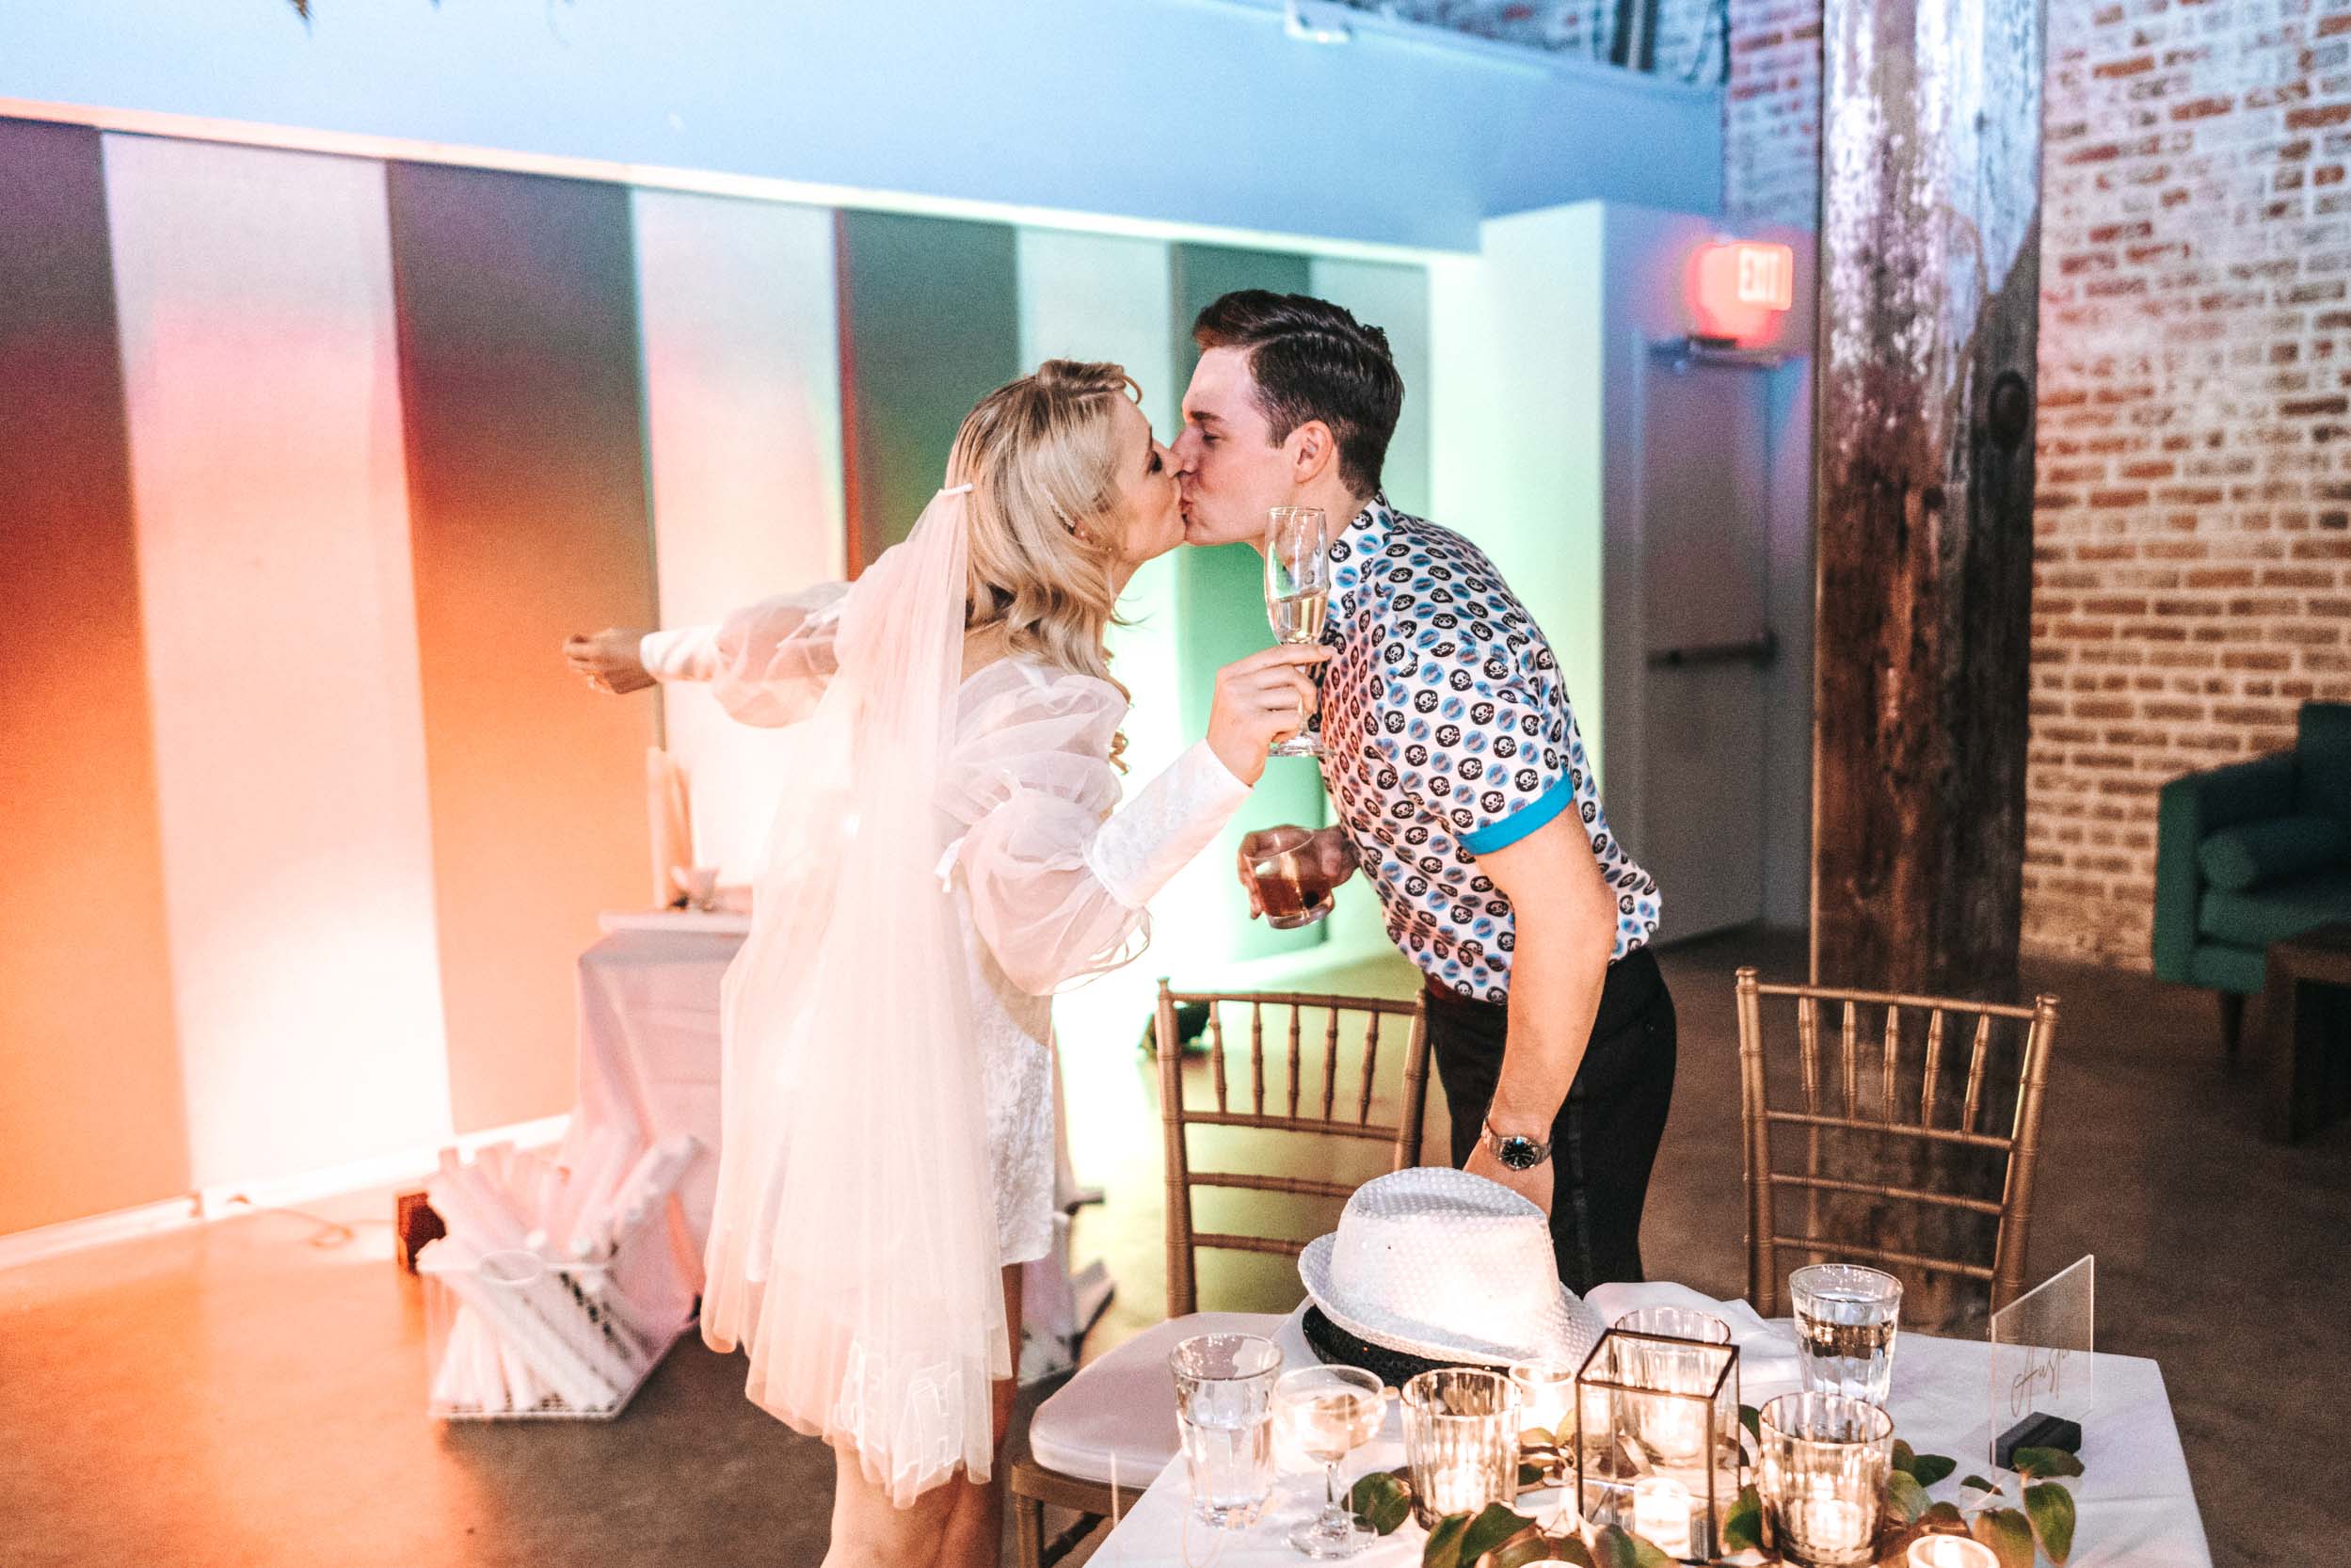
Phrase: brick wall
{"type": "Point", "coordinates": [2194, 560]}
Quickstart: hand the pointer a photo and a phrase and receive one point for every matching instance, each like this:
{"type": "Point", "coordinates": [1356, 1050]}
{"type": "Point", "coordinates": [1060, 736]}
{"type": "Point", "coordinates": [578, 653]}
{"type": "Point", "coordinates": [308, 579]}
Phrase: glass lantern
{"type": "Point", "coordinates": [1656, 1447]}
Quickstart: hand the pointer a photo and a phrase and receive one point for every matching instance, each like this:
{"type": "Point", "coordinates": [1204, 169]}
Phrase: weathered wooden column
{"type": "Point", "coordinates": [1929, 294]}
{"type": "Point", "coordinates": [1929, 300]}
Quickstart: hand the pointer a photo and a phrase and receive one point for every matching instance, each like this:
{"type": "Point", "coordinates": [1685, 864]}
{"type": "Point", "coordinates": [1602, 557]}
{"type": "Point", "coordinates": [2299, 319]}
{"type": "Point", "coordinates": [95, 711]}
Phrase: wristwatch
{"type": "Point", "coordinates": [1515, 1152]}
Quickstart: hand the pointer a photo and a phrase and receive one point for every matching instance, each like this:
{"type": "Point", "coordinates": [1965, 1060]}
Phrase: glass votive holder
{"type": "Point", "coordinates": [1673, 1356]}
{"type": "Point", "coordinates": [1546, 1397]}
{"type": "Point", "coordinates": [1950, 1551]}
{"type": "Point", "coordinates": [1822, 1475]}
{"type": "Point", "coordinates": [1846, 1318]}
{"type": "Point", "coordinates": [1656, 1440]}
{"type": "Point", "coordinates": [1461, 1441]}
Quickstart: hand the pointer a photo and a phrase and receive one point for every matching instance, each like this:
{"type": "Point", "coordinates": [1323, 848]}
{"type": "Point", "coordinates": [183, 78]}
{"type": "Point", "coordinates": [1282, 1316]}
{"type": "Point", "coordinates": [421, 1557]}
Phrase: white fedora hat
{"type": "Point", "coordinates": [1447, 1266]}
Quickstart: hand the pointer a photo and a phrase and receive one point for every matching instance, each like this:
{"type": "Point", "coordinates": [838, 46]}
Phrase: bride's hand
{"type": "Point", "coordinates": [1259, 701]}
{"type": "Point", "coordinates": [608, 660]}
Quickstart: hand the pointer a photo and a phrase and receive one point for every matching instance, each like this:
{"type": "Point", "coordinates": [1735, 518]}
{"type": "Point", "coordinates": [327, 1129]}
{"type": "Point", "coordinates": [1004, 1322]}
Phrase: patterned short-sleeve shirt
{"type": "Point", "coordinates": [1447, 734]}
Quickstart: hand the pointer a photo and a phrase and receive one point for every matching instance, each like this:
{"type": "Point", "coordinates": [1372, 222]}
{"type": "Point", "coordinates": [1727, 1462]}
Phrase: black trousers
{"type": "Point", "coordinates": [1605, 1140]}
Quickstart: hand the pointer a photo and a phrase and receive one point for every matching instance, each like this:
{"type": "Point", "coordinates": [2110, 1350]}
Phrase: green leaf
{"type": "Point", "coordinates": [1904, 1457]}
{"type": "Point", "coordinates": [1751, 1418]}
{"type": "Point", "coordinates": [1742, 1528]}
{"type": "Point", "coordinates": [1931, 1468]}
{"type": "Point", "coordinates": [1444, 1549]}
{"type": "Point", "coordinates": [1381, 1501]}
{"type": "Point", "coordinates": [2051, 1509]}
{"type": "Point", "coordinates": [2008, 1533]}
{"type": "Point", "coordinates": [1905, 1497]}
{"type": "Point", "coordinates": [1978, 1483]}
{"type": "Point", "coordinates": [1617, 1548]}
{"type": "Point", "coordinates": [1497, 1524]}
{"type": "Point", "coordinates": [1945, 1514]}
{"type": "Point", "coordinates": [1537, 1437]}
{"type": "Point", "coordinates": [1529, 1476]}
{"type": "Point", "coordinates": [1534, 1547]}
{"type": "Point", "coordinates": [2040, 1463]}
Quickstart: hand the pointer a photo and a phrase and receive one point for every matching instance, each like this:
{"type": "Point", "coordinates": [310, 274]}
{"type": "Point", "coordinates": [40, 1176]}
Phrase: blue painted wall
{"type": "Point", "coordinates": [1197, 111]}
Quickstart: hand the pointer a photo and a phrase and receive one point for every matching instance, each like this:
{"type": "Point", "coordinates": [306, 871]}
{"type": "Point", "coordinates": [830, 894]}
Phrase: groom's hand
{"type": "Point", "coordinates": [1334, 850]}
{"type": "Point", "coordinates": [1534, 1185]}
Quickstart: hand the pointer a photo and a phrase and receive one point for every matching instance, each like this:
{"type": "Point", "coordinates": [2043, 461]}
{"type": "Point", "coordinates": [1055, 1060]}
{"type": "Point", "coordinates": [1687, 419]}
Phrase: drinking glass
{"type": "Point", "coordinates": [1296, 593]}
{"type": "Point", "coordinates": [1675, 1429]}
{"type": "Point", "coordinates": [1824, 1458]}
{"type": "Point", "coordinates": [1224, 1416]}
{"type": "Point", "coordinates": [1327, 1413]}
{"type": "Point", "coordinates": [1845, 1318]}
{"type": "Point", "coordinates": [1460, 1439]}
{"type": "Point", "coordinates": [1291, 887]}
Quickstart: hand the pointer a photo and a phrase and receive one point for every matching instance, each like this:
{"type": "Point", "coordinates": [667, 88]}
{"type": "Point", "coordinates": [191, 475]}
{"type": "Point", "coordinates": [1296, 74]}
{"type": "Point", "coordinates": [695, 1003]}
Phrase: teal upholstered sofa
{"type": "Point", "coordinates": [2252, 853]}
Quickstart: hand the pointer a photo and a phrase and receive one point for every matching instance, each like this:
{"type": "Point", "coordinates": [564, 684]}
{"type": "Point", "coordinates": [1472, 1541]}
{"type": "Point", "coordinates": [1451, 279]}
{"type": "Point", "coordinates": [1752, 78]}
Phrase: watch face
{"type": "Point", "coordinates": [1520, 1154]}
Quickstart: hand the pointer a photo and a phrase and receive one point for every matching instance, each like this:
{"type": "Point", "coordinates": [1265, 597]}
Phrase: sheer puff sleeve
{"type": "Point", "coordinates": [1057, 872]}
{"type": "Point", "coordinates": [767, 664]}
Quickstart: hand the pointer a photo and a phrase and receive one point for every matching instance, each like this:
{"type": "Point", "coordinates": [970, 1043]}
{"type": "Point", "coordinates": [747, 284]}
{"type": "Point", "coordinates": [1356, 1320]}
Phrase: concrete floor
{"type": "Point", "coordinates": [251, 1392]}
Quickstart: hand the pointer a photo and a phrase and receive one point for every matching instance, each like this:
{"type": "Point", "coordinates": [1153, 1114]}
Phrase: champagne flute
{"type": "Point", "coordinates": [1298, 593]}
{"type": "Point", "coordinates": [1327, 1413]}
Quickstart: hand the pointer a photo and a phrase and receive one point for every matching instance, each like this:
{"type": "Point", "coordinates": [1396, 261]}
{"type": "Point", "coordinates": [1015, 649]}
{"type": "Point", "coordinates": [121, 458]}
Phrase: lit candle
{"type": "Point", "coordinates": [1546, 1391]}
{"type": "Point", "coordinates": [1951, 1551]}
{"type": "Point", "coordinates": [1661, 1513]}
{"type": "Point", "coordinates": [1833, 1525]}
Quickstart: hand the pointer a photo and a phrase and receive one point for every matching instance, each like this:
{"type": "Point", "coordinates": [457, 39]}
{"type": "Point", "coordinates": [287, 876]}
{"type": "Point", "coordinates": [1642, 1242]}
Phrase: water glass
{"type": "Point", "coordinates": [1846, 1318]}
{"type": "Point", "coordinates": [1675, 1431]}
{"type": "Point", "coordinates": [1822, 1473]}
{"type": "Point", "coordinates": [1461, 1440]}
{"type": "Point", "coordinates": [1225, 1417]}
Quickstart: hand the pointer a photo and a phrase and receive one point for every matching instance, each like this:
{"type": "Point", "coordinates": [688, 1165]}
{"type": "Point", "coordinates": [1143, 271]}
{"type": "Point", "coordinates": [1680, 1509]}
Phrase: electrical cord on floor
{"type": "Point", "coordinates": [329, 1233]}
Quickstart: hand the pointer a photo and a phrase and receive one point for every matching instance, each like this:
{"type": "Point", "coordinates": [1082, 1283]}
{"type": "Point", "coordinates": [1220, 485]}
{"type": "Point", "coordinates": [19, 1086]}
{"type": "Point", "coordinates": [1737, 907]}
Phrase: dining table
{"type": "Point", "coordinates": [2135, 1503]}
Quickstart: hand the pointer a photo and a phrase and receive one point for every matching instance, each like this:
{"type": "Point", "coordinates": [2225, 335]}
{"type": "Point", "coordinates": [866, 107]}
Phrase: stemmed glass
{"type": "Point", "coordinates": [1296, 593]}
{"type": "Point", "coordinates": [1327, 1413]}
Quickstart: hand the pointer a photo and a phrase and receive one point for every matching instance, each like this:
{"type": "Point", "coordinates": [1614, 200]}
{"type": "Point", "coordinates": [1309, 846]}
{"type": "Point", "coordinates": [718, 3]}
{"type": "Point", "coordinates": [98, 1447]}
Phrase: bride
{"type": "Point", "coordinates": [950, 852]}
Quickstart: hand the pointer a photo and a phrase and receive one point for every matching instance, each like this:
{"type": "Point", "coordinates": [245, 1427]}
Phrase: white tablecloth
{"type": "Point", "coordinates": [2137, 1506]}
{"type": "Point", "coordinates": [650, 1062]}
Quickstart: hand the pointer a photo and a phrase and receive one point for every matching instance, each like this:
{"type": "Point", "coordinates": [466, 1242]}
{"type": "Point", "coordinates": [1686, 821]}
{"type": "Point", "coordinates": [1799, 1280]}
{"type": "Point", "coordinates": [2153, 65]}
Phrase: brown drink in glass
{"type": "Point", "coordinates": [1291, 885]}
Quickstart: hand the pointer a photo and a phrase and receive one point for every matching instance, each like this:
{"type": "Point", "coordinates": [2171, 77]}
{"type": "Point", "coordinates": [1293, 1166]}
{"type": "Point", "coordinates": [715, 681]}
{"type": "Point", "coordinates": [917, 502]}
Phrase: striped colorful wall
{"type": "Point", "coordinates": [308, 463]}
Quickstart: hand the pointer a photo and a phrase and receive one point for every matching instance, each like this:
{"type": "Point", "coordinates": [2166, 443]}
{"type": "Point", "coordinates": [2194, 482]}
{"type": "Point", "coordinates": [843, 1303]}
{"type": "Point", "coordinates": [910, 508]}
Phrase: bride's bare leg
{"type": "Point", "coordinates": [954, 1525]}
{"type": "Point", "coordinates": [976, 1527]}
{"type": "Point", "coordinates": [869, 1533]}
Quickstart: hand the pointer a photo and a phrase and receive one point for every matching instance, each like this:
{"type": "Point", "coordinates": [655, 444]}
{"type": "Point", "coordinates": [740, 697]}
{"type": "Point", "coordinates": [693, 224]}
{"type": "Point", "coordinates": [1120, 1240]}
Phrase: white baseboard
{"type": "Point", "coordinates": [230, 1199]}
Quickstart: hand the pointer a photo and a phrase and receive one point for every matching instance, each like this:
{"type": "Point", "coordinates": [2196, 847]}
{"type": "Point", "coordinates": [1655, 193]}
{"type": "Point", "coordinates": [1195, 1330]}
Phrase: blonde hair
{"type": "Point", "coordinates": [1040, 453]}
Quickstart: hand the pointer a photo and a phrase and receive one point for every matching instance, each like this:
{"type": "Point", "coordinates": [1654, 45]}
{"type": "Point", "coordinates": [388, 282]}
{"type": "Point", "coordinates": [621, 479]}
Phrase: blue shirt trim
{"type": "Point", "coordinates": [1501, 835]}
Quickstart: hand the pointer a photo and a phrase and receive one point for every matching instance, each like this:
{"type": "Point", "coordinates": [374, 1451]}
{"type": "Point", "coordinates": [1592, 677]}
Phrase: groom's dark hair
{"type": "Point", "coordinates": [1311, 360]}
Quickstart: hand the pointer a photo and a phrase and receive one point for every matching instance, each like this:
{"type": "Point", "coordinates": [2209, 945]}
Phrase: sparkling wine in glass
{"type": "Point", "coordinates": [1327, 1413]}
{"type": "Point", "coordinates": [1298, 592]}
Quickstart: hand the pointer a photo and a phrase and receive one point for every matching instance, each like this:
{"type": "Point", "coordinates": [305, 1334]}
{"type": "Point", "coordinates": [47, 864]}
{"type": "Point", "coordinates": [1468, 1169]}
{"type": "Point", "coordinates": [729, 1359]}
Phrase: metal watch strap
{"type": "Point", "coordinates": [1497, 1144]}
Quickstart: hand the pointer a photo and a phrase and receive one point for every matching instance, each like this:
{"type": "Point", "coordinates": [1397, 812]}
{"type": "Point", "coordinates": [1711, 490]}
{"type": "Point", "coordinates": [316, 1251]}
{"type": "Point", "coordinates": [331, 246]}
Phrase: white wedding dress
{"type": "Point", "coordinates": [1046, 877]}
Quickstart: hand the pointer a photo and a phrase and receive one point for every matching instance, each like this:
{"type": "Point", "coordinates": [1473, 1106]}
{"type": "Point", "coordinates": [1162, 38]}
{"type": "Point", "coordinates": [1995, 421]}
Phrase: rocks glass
{"type": "Point", "coordinates": [1822, 1474]}
{"type": "Point", "coordinates": [1224, 1416]}
{"type": "Point", "coordinates": [1460, 1439]}
{"type": "Point", "coordinates": [1846, 1318]}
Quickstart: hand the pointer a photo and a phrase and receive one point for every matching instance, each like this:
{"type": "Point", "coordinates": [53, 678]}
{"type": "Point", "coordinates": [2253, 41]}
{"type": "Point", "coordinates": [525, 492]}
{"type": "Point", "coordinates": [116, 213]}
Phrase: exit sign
{"type": "Point", "coordinates": [1741, 288]}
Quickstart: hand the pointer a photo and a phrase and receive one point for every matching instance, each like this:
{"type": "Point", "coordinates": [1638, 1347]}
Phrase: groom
{"type": "Point", "coordinates": [1459, 781]}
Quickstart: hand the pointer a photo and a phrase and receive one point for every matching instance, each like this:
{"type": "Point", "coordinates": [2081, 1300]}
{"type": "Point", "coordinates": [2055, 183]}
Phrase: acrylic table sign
{"type": "Point", "coordinates": [2042, 1380]}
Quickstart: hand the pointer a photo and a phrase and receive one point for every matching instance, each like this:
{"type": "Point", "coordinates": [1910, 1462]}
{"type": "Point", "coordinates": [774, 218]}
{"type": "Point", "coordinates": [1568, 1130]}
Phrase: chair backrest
{"type": "Point", "coordinates": [1842, 1101]}
{"type": "Point", "coordinates": [1336, 1103]}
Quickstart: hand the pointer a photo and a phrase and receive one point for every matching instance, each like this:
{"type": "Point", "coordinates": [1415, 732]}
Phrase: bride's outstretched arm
{"type": "Point", "coordinates": [767, 664]}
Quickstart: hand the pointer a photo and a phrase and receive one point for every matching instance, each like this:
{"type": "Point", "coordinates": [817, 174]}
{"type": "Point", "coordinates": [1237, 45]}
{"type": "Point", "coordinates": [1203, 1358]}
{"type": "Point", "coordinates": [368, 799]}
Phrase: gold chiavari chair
{"type": "Point", "coordinates": [1113, 1422]}
{"type": "Point", "coordinates": [1856, 1092]}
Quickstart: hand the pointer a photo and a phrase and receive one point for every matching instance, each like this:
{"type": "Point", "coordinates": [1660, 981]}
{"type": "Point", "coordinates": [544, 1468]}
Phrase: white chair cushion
{"type": "Point", "coordinates": [1115, 1421]}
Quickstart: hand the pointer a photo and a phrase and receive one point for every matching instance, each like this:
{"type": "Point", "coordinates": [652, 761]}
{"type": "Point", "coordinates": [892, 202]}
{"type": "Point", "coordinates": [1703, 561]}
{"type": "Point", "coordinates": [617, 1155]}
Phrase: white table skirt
{"type": "Point", "coordinates": [2137, 1506]}
{"type": "Point", "coordinates": [649, 1052]}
